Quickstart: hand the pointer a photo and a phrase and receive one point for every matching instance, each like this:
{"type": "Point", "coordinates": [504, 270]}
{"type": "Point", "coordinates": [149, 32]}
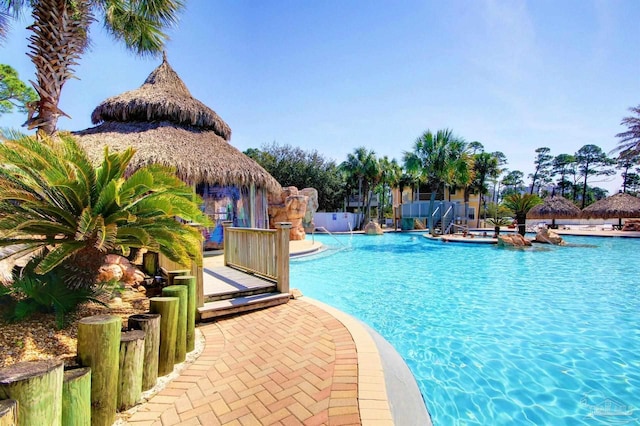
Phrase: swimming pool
{"type": "Point", "coordinates": [549, 335]}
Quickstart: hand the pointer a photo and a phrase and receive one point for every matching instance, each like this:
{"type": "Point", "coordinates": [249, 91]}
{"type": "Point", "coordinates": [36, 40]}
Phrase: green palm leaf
{"type": "Point", "coordinates": [56, 256]}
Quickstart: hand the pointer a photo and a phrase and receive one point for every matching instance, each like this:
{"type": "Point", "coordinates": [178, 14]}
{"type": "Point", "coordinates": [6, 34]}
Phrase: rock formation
{"type": "Point", "coordinates": [289, 206]}
{"type": "Point", "coordinates": [312, 208]}
{"type": "Point", "coordinates": [119, 268]}
{"type": "Point", "coordinates": [372, 228]}
{"type": "Point", "coordinates": [516, 240]}
{"type": "Point", "coordinates": [547, 236]}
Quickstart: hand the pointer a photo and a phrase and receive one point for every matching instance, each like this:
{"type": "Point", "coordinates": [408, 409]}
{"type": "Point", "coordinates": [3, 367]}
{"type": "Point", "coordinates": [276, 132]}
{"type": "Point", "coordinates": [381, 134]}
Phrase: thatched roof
{"type": "Point", "coordinates": [162, 97]}
{"type": "Point", "coordinates": [166, 125]}
{"type": "Point", "coordinates": [556, 207]}
{"type": "Point", "coordinates": [620, 205]}
{"type": "Point", "coordinates": [200, 156]}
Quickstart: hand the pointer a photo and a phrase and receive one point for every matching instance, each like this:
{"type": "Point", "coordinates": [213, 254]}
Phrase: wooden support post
{"type": "Point", "coordinates": [189, 281]}
{"type": "Point", "coordinates": [76, 397]}
{"type": "Point", "coordinates": [282, 256]}
{"type": "Point", "coordinates": [226, 224]}
{"type": "Point", "coordinates": [179, 291]}
{"type": "Point", "coordinates": [167, 307]}
{"type": "Point", "coordinates": [37, 387]}
{"type": "Point", "coordinates": [176, 273]}
{"type": "Point", "coordinates": [98, 348]}
{"type": "Point", "coordinates": [150, 263]}
{"type": "Point", "coordinates": [150, 324]}
{"type": "Point", "coordinates": [8, 412]}
{"type": "Point", "coordinates": [131, 363]}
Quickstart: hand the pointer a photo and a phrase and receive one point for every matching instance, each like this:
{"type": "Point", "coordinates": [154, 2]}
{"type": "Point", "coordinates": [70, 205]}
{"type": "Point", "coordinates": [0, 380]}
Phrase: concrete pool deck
{"type": "Point", "coordinates": [299, 363]}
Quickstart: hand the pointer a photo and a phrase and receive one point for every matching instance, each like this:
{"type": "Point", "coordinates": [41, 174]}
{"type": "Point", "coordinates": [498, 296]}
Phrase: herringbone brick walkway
{"type": "Point", "coordinates": [288, 365]}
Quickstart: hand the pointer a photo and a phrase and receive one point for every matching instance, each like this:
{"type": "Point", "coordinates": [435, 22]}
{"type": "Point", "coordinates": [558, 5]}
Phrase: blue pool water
{"type": "Point", "coordinates": [543, 336]}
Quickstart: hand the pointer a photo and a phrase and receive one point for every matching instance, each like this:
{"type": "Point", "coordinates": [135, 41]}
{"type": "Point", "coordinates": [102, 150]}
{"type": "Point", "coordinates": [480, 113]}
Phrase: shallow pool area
{"type": "Point", "coordinates": [548, 335]}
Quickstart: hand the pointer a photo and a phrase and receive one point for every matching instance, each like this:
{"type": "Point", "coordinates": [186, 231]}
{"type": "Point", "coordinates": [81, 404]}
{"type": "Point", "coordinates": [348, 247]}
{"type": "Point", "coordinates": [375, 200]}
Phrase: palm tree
{"type": "Point", "coordinates": [464, 175]}
{"type": "Point", "coordinates": [390, 173]}
{"type": "Point", "coordinates": [485, 166]}
{"type": "Point", "coordinates": [433, 156]}
{"type": "Point", "coordinates": [61, 35]}
{"type": "Point", "coordinates": [520, 204]}
{"type": "Point", "coordinates": [362, 166]}
{"type": "Point", "coordinates": [54, 201]}
{"type": "Point", "coordinates": [629, 145]}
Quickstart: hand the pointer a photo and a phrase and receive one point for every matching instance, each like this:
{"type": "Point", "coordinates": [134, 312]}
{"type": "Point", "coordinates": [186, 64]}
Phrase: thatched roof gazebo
{"type": "Point", "coordinates": [554, 207]}
{"type": "Point", "coordinates": [620, 205]}
{"type": "Point", "coordinates": [167, 125]}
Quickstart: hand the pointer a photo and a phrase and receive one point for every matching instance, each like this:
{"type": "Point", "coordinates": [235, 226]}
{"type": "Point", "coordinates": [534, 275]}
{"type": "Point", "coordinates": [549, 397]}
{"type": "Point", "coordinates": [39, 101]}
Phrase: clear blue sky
{"type": "Point", "coordinates": [333, 75]}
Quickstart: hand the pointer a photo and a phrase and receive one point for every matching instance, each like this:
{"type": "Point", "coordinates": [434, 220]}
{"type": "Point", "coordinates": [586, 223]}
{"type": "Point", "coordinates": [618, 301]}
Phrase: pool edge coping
{"type": "Point", "coordinates": [373, 400]}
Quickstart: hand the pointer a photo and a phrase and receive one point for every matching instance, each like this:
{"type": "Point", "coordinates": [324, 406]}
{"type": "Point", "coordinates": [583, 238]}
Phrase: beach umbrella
{"type": "Point", "coordinates": [554, 207]}
{"type": "Point", "coordinates": [167, 125]}
{"type": "Point", "coordinates": [620, 205]}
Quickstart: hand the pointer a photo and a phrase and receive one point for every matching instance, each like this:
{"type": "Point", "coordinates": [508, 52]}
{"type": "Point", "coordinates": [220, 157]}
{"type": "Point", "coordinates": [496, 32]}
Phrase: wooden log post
{"type": "Point", "coordinates": [150, 263]}
{"type": "Point", "coordinates": [99, 349]}
{"type": "Point", "coordinates": [76, 397]}
{"type": "Point", "coordinates": [227, 247]}
{"type": "Point", "coordinates": [176, 273]}
{"type": "Point", "coordinates": [150, 324]}
{"type": "Point", "coordinates": [131, 366]}
{"type": "Point", "coordinates": [167, 307]}
{"type": "Point", "coordinates": [282, 256]}
{"type": "Point", "coordinates": [179, 291]}
{"type": "Point", "coordinates": [197, 270]}
{"type": "Point", "coordinates": [37, 388]}
{"type": "Point", "coordinates": [189, 281]}
{"type": "Point", "coordinates": [8, 412]}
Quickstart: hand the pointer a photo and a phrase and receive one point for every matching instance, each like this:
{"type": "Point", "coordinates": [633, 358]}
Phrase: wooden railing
{"type": "Point", "coordinates": [264, 252]}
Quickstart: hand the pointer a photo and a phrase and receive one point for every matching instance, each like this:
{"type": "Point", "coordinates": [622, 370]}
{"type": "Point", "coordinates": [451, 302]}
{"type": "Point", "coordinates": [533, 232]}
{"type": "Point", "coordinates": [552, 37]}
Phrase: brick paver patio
{"type": "Point", "coordinates": [289, 365]}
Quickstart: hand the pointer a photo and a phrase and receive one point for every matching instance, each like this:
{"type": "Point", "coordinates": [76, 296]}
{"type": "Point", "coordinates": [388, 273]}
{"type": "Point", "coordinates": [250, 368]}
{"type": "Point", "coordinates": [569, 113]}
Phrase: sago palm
{"type": "Point", "coordinates": [54, 200]}
{"type": "Point", "coordinates": [61, 35]}
{"type": "Point", "coordinates": [520, 204]}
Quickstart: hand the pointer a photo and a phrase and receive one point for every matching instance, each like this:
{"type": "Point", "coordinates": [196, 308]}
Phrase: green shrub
{"type": "Point", "coordinates": [31, 293]}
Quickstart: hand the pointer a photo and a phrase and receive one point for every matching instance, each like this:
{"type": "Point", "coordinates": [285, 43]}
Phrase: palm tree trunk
{"type": "Point", "coordinates": [59, 38]}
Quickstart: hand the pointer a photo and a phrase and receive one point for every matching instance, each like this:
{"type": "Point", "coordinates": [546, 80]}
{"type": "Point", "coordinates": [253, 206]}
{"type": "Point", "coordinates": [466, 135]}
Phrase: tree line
{"type": "Point", "coordinates": [441, 160]}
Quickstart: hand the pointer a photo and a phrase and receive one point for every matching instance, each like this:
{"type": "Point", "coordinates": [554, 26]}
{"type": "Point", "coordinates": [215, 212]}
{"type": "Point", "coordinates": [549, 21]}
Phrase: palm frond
{"type": "Point", "coordinates": [56, 256]}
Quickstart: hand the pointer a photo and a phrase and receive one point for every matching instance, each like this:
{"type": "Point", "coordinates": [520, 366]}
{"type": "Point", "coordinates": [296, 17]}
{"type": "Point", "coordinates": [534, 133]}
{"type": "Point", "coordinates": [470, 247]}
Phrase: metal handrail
{"type": "Point", "coordinates": [463, 228]}
{"type": "Point", "coordinates": [449, 210]}
{"type": "Point", "coordinates": [328, 232]}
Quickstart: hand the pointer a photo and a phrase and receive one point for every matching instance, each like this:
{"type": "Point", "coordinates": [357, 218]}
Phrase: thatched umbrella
{"type": "Point", "coordinates": [620, 205]}
{"type": "Point", "coordinates": [554, 207]}
{"type": "Point", "coordinates": [166, 125]}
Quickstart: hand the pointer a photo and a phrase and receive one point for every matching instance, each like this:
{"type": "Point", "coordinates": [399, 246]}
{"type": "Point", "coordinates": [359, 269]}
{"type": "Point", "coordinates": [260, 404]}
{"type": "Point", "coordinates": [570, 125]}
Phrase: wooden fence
{"type": "Point", "coordinates": [264, 252]}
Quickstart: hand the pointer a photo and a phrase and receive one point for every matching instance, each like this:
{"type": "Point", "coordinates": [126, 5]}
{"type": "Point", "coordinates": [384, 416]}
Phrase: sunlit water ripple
{"type": "Point", "coordinates": [497, 336]}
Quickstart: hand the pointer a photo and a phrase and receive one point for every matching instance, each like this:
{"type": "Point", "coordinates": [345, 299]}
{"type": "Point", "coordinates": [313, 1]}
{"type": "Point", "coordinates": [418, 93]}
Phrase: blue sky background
{"type": "Point", "coordinates": [333, 75]}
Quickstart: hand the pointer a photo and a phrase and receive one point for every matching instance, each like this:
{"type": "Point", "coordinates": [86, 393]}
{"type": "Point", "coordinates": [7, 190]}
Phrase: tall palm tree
{"type": "Point", "coordinates": [485, 166]}
{"type": "Point", "coordinates": [362, 167]}
{"type": "Point", "coordinates": [53, 200]}
{"type": "Point", "coordinates": [464, 175]}
{"type": "Point", "coordinates": [390, 173]}
{"type": "Point", "coordinates": [61, 35]}
{"type": "Point", "coordinates": [434, 157]}
{"type": "Point", "coordinates": [629, 145]}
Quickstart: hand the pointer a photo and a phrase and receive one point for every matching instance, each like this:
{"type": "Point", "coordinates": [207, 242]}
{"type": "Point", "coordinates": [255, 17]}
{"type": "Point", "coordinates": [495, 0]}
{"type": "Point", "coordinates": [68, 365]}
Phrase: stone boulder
{"type": "Point", "coordinates": [631, 225]}
{"type": "Point", "coordinates": [372, 228]}
{"type": "Point", "coordinates": [120, 269]}
{"type": "Point", "coordinates": [515, 240]}
{"type": "Point", "coordinates": [312, 208]}
{"type": "Point", "coordinates": [547, 236]}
